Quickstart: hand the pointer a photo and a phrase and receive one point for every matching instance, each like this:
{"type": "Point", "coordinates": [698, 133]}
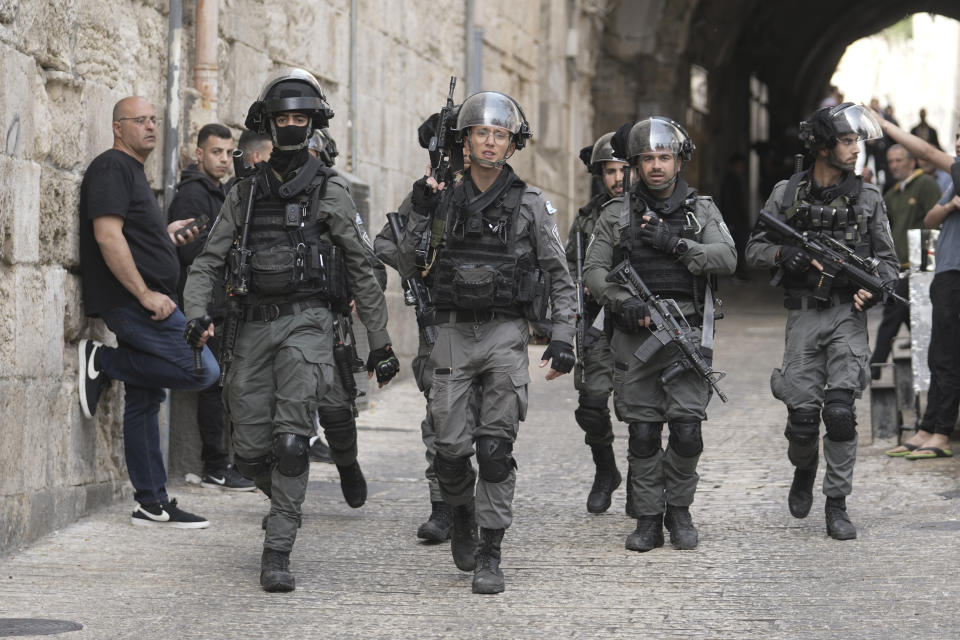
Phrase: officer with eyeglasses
{"type": "Point", "coordinates": [489, 252]}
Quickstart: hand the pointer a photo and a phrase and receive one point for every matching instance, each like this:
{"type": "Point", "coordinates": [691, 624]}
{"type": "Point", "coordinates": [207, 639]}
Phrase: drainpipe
{"type": "Point", "coordinates": [354, 92]}
{"type": "Point", "coordinates": [205, 69]}
{"type": "Point", "coordinates": [171, 132]}
{"type": "Point", "coordinates": [172, 117]}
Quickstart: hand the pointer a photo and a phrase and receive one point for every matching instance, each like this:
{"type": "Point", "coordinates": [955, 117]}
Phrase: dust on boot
{"type": "Point", "coordinates": [487, 576]}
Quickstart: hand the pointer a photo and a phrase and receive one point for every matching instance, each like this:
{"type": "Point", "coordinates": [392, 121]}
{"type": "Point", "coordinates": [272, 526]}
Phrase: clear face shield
{"type": "Point", "coordinates": [858, 120]}
{"type": "Point", "coordinates": [656, 136]}
{"type": "Point", "coordinates": [484, 110]}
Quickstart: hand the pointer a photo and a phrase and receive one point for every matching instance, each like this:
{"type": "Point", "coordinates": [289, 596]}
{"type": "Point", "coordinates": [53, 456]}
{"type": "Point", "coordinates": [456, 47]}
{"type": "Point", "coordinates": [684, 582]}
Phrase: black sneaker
{"type": "Point", "coordinates": [228, 479]}
{"type": "Point", "coordinates": [90, 381]}
{"type": "Point", "coordinates": [167, 515]}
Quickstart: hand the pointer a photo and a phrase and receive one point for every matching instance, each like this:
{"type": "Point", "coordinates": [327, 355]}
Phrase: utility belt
{"type": "Point", "coordinates": [271, 312]}
{"type": "Point", "coordinates": [472, 316]}
{"type": "Point", "coordinates": [804, 303]}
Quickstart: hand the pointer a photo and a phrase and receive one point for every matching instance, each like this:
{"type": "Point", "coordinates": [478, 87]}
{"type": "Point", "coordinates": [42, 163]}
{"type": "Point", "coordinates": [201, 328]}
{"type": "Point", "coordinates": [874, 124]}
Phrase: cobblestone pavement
{"type": "Point", "coordinates": [758, 573]}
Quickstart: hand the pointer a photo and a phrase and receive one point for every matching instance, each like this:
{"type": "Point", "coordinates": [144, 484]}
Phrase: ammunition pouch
{"type": "Point", "coordinates": [474, 286]}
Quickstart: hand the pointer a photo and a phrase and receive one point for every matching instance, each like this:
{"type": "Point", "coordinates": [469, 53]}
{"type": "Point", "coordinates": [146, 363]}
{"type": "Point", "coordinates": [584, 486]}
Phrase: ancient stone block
{"type": "Point", "coordinates": [19, 202]}
{"type": "Point", "coordinates": [13, 402]}
{"type": "Point", "coordinates": [18, 77]}
{"type": "Point", "coordinates": [54, 280]}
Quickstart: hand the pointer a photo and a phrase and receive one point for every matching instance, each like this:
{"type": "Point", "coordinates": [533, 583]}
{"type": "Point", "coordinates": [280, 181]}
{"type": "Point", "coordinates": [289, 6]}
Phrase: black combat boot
{"type": "Point", "coordinates": [353, 484]}
{"type": "Point", "coordinates": [275, 571]}
{"type": "Point", "coordinates": [437, 527]}
{"type": "Point", "coordinates": [648, 535]}
{"type": "Point", "coordinates": [683, 535]}
{"type": "Point", "coordinates": [463, 542]}
{"type": "Point", "coordinates": [606, 480]}
{"type": "Point", "coordinates": [487, 577]}
{"type": "Point", "coordinates": [839, 526]}
{"type": "Point", "coordinates": [320, 452]}
{"type": "Point", "coordinates": [800, 498]}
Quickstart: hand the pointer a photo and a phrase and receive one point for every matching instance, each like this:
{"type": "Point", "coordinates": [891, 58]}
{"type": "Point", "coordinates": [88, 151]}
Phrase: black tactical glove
{"type": "Point", "coordinates": [194, 330]}
{"type": "Point", "coordinates": [590, 337]}
{"type": "Point", "coordinates": [633, 312]}
{"type": "Point", "coordinates": [794, 259]}
{"type": "Point", "coordinates": [562, 355]}
{"type": "Point", "coordinates": [423, 198]}
{"type": "Point", "coordinates": [659, 235]}
{"type": "Point", "coordinates": [384, 363]}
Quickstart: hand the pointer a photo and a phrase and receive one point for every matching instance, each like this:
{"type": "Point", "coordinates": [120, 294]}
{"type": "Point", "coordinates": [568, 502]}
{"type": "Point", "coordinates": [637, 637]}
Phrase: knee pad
{"type": "Point", "coordinates": [340, 428]}
{"type": "Point", "coordinates": [838, 416]}
{"type": "Point", "coordinates": [291, 453]}
{"type": "Point", "coordinates": [250, 468]}
{"type": "Point", "coordinates": [803, 426]}
{"type": "Point", "coordinates": [454, 475]}
{"type": "Point", "coordinates": [593, 415]}
{"type": "Point", "coordinates": [644, 438]}
{"type": "Point", "coordinates": [495, 458]}
{"type": "Point", "coordinates": [685, 439]}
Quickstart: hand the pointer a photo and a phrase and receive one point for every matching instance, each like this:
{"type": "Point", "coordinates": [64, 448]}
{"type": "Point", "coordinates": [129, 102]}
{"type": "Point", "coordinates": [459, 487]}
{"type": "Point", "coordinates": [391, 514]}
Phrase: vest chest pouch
{"type": "Point", "coordinates": [274, 270]}
{"type": "Point", "coordinates": [474, 286]}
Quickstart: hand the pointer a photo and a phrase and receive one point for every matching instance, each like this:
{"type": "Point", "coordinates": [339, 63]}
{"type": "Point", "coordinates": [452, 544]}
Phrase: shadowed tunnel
{"type": "Point", "coordinates": [765, 65]}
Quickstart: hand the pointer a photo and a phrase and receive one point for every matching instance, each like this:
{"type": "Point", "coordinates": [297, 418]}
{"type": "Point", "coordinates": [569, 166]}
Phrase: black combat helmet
{"type": "Point", "coordinates": [289, 90]}
{"type": "Point", "coordinates": [824, 126]}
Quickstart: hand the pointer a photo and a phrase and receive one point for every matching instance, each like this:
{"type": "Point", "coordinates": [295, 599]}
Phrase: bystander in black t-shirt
{"type": "Point", "coordinates": [116, 184]}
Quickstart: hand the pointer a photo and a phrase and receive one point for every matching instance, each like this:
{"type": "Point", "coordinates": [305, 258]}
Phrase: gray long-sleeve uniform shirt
{"type": "Point", "coordinates": [762, 249]}
{"type": "Point", "coordinates": [713, 252]}
{"type": "Point", "coordinates": [337, 210]}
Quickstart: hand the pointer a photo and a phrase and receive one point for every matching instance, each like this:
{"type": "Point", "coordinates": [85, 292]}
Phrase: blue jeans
{"type": "Point", "coordinates": [151, 356]}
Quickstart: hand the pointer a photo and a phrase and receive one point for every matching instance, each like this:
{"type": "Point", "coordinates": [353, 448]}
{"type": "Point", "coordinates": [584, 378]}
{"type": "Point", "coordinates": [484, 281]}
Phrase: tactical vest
{"type": "Point", "coordinates": [845, 218]}
{"type": "Point", "coordinates": [478, 267]}
{"type": "Point", "coordinates": [292, 256]}
{"type": "Point", "coordinates": [663, 273]}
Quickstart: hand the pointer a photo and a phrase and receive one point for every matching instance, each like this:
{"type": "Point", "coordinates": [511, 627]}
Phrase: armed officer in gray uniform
{"type": "Point", "coordinates": [825, 362]}
{"type": "Point", "coordinates": [492, 256]}
{"type": "Point", "coordinates": [674, 239]}
{"type": "Point", "coordinates": [593, 375]}
{"type": "Point", "coordinates": [301, 263]}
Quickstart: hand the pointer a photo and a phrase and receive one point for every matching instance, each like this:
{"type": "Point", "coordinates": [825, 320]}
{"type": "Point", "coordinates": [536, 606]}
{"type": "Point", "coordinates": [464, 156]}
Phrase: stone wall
{"type": "Point", "coordinates": [64, 63]}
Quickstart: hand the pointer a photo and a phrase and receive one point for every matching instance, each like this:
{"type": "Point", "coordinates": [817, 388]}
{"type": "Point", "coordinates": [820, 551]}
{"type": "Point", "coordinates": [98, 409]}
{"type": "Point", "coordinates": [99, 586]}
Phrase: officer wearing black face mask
{"type": "Point", "coordinates": [302, 263]}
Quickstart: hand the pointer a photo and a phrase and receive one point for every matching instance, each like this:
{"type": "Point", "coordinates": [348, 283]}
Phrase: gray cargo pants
{"type": "Point", "coordinates": [280, 371]}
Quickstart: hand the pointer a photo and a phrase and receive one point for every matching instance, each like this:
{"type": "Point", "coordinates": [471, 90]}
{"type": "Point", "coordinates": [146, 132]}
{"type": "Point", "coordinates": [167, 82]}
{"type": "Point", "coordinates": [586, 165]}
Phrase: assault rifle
{"type": "Point", "coordinates": [579, 337]}
{"type": "Point", "coordinates": [345, 357]}
{"type": "Point", "coordinates": [440, 144]}
{"type": "Point", "coordinates": [421, 295]}
{"type": "Point", "coordinates": [836, 259]}
{"type": "Point", "coordinates": [666, 330]}
{"type": "Point", "coordinates": [238, 285]}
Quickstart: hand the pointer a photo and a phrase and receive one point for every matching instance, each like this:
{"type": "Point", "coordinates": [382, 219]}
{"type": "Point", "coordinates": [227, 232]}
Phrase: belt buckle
{"type": "Point", "coordinates": [269, 312]}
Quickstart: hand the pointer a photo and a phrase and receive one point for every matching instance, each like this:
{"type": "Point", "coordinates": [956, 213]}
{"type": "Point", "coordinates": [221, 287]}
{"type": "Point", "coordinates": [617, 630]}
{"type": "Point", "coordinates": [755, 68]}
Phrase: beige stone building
{"type": "Point", "coordinates": [385, 66]}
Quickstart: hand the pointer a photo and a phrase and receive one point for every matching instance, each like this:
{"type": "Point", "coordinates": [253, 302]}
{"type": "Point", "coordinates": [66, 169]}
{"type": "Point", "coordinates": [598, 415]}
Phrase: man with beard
{"type": "Point", "coordinates": [825, 362]}
{"type": "Point", "coordinates": [305, 263]}
{"type": "Point", "coordinates": [675, 239]}
{"type": "Point", "coordinates": [593, 377]}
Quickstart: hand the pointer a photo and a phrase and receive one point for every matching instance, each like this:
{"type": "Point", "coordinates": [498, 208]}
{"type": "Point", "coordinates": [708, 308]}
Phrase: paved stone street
{"type": "Point", "coordinates": [758, 573]}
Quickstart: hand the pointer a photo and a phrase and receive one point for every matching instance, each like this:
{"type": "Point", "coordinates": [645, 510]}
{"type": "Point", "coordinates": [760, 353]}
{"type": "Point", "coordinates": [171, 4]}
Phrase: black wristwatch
{"type": "Point", "coordinates": [681, 247]}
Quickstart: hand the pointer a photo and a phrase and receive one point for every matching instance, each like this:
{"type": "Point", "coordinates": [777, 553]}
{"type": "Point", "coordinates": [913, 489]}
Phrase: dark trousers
{"type": "Point", "coordinates": [943, 357]}
{"type": "Point", "coordinates": [151, 355]}
{"type": "Point", "coordinates": [893, 316]}
{"type": "Point", "coordinates": [210, 421]}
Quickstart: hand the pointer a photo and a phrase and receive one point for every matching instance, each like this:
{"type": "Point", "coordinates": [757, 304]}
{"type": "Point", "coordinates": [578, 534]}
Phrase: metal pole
{"type": "Point", "coordinates": [205, 67]}
{"type": "Point", "coordinates": [354, 92]}
{"type": "Point", "coordinates": [171, 121]}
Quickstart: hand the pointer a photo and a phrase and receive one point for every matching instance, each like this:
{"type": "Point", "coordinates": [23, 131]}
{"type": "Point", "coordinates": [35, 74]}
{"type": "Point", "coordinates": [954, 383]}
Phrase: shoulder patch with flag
{"type": "Point", "coordinates": [550, 208]}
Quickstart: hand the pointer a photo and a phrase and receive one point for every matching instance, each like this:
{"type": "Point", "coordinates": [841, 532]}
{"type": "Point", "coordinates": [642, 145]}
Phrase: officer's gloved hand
{"type": "Point", "coordinates": [633, 312]}
{"type": "Point", "coordinates": [193, 333]}
{"type": "Point", "coordinates": [659, 235]}
{"type": "Point", "coordinates": [384, 363]}
{"type": "Point", "coordinates": [562, 355]}
{"type": "Point", "coordinates": [424, 199]}
{"type": "Point", "coordinates": [794, 259]}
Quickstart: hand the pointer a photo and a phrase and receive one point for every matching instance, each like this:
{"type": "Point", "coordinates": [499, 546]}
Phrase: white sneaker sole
{"type": "Point", "coordinates": [211, 485]}
{"type": "Point", "coordinates": [141, 522]}
{"type": "Point", "coordinates": [82, 377]}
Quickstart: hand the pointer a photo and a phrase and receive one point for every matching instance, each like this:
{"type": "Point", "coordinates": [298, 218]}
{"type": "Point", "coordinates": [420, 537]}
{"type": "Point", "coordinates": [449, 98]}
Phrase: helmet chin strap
{"type": "Point", "coordinates": [666, 185]}
{"type": "Point", "coordinates": [290, 147]}
{"type": "Point", "coordinates": [483, 162]}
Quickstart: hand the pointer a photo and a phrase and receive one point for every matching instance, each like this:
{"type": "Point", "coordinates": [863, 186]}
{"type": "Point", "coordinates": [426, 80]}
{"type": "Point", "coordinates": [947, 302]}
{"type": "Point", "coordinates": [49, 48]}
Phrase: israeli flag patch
{"type": "Point", "coordinates": [359, 220]}
{"type": "Point", "coordinates": [550, 208]}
